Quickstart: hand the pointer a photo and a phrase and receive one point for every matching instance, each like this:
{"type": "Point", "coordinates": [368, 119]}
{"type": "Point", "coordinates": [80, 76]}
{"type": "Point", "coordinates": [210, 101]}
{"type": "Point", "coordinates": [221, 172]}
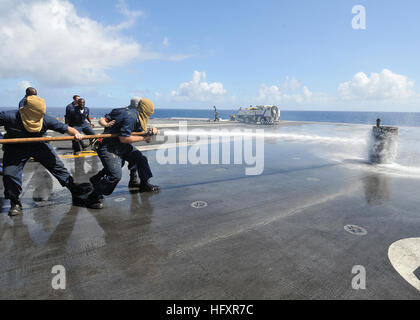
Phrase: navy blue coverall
{"type": "Point", "coordinates": [113, 152]}
{"type": "Point", "coordinates": [76, 118]}
{"type": "Point", "coordinates": [16, 155]}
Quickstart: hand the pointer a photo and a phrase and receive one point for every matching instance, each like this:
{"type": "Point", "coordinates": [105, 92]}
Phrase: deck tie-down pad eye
{"type": "Point", "coordinates": [199, 204]}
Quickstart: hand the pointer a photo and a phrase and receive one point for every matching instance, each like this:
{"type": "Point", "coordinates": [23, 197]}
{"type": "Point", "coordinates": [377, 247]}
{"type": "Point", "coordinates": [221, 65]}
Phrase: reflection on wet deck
{"type": "Point", "coordinates": [272, 236]}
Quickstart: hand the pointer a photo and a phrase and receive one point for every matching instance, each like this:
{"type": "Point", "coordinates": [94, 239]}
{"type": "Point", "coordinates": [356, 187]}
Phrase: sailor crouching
{"type": "Point", "coordinates": [113, 152]}
{"type": "Point", "coordinates": [28, 122]}
{"type": "Point", "coordinates": [107, 122]}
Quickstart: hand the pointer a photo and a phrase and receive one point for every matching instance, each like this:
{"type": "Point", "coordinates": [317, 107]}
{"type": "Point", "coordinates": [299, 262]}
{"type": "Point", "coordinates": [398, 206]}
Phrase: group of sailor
{"type": "Point", "coordinates": [31, 120]}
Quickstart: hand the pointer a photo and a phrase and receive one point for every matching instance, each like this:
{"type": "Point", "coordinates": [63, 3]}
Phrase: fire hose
{"type": "Point", "coordinates": [68, 138]}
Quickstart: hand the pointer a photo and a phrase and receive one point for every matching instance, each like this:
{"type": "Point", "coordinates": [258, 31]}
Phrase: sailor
{"type": "Point", "coordinates": [113, 152]}
{"type": "Point", "coordinates": [106, 123]}
{"type": "Point", "coordinates": [29, 92]}
{"type": "Point", "coordinates": [71, 106]}
{"type": "Point", "coordinates": [216, 114]}
{"type": "Point", "coordinates": [28, 122]}
{"type": "Point", "coordinates": [77, 116]}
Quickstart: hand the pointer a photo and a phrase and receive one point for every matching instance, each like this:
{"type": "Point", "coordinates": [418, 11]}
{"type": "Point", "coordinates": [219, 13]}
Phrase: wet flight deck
{"type": "Point", "coordinates": [317, 212]}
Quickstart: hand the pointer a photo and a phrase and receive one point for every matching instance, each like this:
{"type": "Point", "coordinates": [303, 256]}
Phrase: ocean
{"type": "Point", "coordinates": [388, 118]}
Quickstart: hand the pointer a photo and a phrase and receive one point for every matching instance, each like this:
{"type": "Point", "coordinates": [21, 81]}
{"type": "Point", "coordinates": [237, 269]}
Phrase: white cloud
{"type": "Point", "coordinates": [165, 42]}
{"type": "Point", "coordinates": [290, 91]}
{"type": "Point", "coordinates": [307, 93]}
{"type": "Point", "coordinates": [131, 17]}
{"type": "Point", "coordinates": [291, 84]}
{"type": "Point", "coordinates": [379, 86]}
{"type": "Point", "coordinates": [23, 85]}
{"type": "Point", "coordinates": [48, 41]}
{"type": "Point", "coordinates": [198, 89]}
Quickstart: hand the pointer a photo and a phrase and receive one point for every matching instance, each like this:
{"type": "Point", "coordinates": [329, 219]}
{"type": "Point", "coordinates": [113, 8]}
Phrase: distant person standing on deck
{"type": "Point", "coordinates": [216, 114]}
{"type": "Point", "coordinates": [106, 123]}
{"type": "Point", "coordinates": [30, 121]}
{"type": "Point", "coordinates": [78, 117]}
{"type": "Point", "coordinates": [113, 152]}
{"type": "Point", "coordinates": [29, 92]}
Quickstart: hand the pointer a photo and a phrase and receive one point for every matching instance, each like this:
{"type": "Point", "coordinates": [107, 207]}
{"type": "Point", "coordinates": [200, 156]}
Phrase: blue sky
{"type": "Point", "coordinates": [300, 55]}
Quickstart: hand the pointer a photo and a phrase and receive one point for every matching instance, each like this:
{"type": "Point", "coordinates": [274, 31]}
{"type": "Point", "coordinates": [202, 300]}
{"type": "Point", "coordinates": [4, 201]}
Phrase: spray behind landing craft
{"type": "Point", "coordinates": [384, 145]}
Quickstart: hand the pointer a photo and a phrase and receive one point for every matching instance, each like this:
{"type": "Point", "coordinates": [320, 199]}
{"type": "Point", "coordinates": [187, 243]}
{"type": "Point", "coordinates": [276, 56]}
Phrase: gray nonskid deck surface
{"type": "Point", "coordinates": [278, 235]}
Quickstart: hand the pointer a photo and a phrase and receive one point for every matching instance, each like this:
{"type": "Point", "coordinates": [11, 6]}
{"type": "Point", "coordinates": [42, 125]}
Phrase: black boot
{"type": "Point", "coordinates": [79, 189]}
{"type": "Point", "coordinates": [96, 178]}
{"type": "Point", "coordinates": [147, 187]}
{"type": "Point", "coordinates": [134, 180]}
{"type": "Point", "coordinates": [79, 192]}
{"type": "Point", "coordinates": [94, 201]}
{"type": "Point", "coordinates": [15, 208]}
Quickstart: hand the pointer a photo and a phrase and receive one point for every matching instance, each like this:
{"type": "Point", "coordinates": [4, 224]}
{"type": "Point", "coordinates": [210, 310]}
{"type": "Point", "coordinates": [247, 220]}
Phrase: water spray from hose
{"type": "Point", "coordinates": [384, 145]}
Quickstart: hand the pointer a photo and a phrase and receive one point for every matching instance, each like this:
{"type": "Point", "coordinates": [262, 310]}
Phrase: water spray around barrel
{"type": "Point", "coordinates": [384, 145]}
